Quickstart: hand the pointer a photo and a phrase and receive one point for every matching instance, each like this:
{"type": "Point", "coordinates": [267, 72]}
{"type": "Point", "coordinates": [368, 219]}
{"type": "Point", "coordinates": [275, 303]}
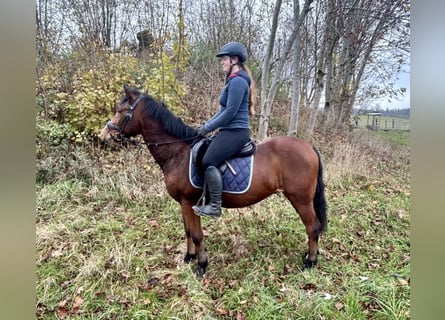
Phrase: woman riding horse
{"type": "Point", "coordinates": [281, 164]}
{"type": "Point", "coordinates": [232, 120]}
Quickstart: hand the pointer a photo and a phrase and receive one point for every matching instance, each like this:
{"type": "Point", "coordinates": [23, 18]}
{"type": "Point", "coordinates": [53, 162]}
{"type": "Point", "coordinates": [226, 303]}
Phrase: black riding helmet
{"type": "Point", "coordinates": [234, 49]}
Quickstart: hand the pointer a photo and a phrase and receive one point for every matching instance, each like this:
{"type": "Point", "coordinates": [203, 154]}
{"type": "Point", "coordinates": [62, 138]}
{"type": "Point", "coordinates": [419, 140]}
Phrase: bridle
{"type": "Point", "coordinates": [121, 136]}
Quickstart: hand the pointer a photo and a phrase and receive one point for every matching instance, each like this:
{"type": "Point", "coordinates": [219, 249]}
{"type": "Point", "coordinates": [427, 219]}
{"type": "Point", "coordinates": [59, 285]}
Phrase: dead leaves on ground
{"type": "Point", "coordinates": [69, 307]}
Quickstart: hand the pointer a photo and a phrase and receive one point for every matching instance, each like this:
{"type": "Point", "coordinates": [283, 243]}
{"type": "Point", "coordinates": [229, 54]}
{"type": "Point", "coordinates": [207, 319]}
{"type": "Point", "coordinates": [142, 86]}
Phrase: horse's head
{"type": "Point", "coordinates": [123, 124]}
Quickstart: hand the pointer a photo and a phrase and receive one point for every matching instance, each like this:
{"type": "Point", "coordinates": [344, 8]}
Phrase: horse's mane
{"type": "Point", "coordinates": [172, 124]}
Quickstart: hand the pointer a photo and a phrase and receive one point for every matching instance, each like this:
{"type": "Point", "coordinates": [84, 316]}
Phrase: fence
{"type": "Point", "coordinates": [376, 121]}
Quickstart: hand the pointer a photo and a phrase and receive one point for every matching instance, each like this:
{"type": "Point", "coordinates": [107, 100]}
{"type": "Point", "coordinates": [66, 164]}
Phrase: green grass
{"type": "Point", "coordinates": [397, 138]}
{"type": "Point", "coordinates": [110, 244]}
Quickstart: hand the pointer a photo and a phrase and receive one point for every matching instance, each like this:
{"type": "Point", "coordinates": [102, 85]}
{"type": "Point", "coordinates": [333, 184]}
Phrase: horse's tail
{"type": "Point", "coordinates": [319, 198]}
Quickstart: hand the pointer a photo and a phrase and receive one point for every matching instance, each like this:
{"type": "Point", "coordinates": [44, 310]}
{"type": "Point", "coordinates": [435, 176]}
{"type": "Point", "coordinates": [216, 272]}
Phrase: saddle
{"type": "Point", "coordinates": [199, 149]}
{"type": "Point", "coordinates": [236, 172]}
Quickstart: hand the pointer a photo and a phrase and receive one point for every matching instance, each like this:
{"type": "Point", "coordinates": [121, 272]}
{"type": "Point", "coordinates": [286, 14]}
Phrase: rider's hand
{"type": "Point", "coordinates": [201, 130]}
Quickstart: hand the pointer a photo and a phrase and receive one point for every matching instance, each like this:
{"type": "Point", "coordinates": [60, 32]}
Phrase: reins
{"type": "Point", "coordinates": [137, 143]}
{"type": "Point", "coordinates": [169, 142]}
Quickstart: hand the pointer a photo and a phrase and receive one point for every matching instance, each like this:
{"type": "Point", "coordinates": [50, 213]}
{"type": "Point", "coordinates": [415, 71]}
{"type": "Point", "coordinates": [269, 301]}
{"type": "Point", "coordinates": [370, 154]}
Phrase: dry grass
{"type": "Point", "coordinates": [361, 156]}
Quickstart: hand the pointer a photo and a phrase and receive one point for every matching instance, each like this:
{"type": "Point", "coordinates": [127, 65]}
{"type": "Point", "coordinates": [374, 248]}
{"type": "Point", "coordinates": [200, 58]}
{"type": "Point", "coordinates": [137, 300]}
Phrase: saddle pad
{"type": "Point", "coordinates": [236, 184]}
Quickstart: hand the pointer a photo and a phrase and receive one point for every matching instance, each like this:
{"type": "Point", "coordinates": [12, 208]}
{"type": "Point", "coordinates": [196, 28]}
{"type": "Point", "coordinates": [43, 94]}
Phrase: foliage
{"type": "Point", "coordinates": [164, 84]}
{"type": "Point", "coordinates": [82, 99]}
{"type": "Point", "coordinates": [110, 244]}
{"type": "Point", "coordinates": [51, 133]}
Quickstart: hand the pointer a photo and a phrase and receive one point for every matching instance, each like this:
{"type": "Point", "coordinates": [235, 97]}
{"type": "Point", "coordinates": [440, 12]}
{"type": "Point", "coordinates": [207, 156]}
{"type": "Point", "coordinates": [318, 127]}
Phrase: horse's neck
{"type": "Point", "coordinates": [165, 149]}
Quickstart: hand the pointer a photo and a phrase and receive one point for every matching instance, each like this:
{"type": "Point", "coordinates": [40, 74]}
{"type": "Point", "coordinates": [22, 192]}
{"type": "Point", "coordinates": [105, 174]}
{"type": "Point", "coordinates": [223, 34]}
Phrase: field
{"type": "Point", "coordinates": [110, 242]}
{"type": "Point", "coordinates": [383, 122]}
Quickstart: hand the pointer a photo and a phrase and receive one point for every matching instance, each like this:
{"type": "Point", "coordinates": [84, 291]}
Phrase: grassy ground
{"type": "Point", "coordinates": [110, 242]}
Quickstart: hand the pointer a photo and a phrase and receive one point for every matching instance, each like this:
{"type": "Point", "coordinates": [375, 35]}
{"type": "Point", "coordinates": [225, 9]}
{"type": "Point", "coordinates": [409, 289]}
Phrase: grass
{"type": "Point", "coordinates": [110, 243]}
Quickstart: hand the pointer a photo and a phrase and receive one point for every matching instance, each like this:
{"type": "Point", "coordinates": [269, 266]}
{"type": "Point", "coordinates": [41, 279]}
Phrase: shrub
{"type": "Point", "coordinates": [81, 96]}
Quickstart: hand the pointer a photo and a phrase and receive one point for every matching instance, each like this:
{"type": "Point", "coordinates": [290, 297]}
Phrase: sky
{"type": "Point", "coordinates": [402, 102]}
{"type": "Point", "coordinates": [404, 81]}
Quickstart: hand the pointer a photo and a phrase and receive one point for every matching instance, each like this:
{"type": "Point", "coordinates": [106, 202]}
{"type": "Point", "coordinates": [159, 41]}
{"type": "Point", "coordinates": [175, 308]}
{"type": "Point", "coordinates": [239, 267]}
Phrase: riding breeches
{"type": "Point", "coordinates": [224, 145]}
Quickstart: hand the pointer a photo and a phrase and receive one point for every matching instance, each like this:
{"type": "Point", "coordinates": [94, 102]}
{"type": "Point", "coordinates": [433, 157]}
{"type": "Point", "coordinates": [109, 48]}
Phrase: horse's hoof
{"type": "Point", "coordinates": [308, 264]}
{"type": "Point", "coordinates": [201, 269]}
{"type": "Point", "coordinates": [200, 272]}
{"type": "Point", "coordinates": [189, 257]}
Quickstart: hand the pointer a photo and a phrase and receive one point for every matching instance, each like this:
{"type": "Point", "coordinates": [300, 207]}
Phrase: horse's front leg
{"type": "Point", "coordinates": [195, 238]}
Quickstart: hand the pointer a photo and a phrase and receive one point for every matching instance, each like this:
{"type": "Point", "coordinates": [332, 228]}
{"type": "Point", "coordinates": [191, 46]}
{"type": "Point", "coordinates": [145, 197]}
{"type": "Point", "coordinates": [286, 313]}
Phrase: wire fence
{"type": "Point", "coordinates": [374, 121]}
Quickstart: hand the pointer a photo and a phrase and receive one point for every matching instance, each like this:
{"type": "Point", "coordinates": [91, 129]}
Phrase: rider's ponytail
{"type": "Point", "coordinates": [252, 92]}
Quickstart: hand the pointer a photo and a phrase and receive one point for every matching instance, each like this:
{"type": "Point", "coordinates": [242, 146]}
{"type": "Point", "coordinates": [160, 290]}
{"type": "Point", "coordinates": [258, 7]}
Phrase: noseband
{"type": "Point", "coordinates": [124, 122]}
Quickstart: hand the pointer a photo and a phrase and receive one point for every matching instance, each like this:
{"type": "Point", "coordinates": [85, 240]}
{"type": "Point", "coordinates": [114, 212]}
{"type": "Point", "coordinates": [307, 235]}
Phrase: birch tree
{"type": "Point", "coordinates": [268, 92]}
{"type": "Point", "coordinates": [293, 125]}
{"type": "Point", "coordinates": [353, 33]}
{"type": "Point", "coordinates": [323, 69]}
{"type": "Point", "coordinates": [265, 104]}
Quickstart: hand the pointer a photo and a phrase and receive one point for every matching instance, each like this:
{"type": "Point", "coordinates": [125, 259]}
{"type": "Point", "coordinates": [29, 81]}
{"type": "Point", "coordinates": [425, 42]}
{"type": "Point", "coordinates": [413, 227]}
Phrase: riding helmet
{"type": "Point", "coordinates": [234, 49]}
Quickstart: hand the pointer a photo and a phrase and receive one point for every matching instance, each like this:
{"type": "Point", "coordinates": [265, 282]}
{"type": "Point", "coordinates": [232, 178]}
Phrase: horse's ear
{"type": "Point", "coordinates": [129, 93]}
{"type": "Point", "coordinates": [126, 89]}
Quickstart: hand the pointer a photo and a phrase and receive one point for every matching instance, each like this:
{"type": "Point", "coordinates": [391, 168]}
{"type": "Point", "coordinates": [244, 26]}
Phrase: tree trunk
{"type": "Point", "coordinates": [265, 109]}
{"type": "Point", "coordinates": [293, 125]}
{"type": "Point", "coordinates": [267, 104]}
{"type": "Point", "coordinates": [323, 72]}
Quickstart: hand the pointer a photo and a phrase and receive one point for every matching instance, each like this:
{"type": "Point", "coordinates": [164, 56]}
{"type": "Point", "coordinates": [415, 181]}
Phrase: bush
{"type": "Point", "coordinates": [50, 134]}
{"type": "Point", "coordinates": [80, 97]}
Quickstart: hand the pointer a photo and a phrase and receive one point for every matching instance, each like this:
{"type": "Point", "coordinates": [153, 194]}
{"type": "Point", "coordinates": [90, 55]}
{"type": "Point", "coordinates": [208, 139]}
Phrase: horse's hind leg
{"type": "Point", "coordinates": [195, 236]}
{"type": "Point", "coordinates": [313, 229]}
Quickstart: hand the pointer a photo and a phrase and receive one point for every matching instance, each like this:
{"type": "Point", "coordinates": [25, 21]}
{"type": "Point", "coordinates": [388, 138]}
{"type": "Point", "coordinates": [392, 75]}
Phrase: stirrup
{"type": "Point", "coordinates": [198, 210]}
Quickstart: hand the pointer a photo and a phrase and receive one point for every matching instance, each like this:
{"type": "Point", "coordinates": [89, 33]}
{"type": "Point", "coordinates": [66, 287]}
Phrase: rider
{"type": "Point", "coordinates": [232, 120]}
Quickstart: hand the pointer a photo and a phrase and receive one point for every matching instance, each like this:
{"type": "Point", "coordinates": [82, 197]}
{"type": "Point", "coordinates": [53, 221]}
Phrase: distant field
{"type": "Point", "coordinates": [382, 122]}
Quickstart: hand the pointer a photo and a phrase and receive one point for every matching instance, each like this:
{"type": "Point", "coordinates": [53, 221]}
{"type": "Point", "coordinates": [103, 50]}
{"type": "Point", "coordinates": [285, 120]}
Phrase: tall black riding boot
{"type": "Point", "coordinates": [212, 177]}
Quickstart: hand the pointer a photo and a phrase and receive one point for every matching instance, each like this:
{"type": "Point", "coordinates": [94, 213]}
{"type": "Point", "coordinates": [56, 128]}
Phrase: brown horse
{"type": "Point", "coordinates": [282, 163]}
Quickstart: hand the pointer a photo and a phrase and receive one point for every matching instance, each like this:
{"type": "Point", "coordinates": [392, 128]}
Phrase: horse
{"type": "Point", "coordinates": [281, 164]}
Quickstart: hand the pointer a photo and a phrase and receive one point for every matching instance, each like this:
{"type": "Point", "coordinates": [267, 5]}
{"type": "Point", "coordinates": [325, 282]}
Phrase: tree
{"type": "Point", "coordinates": [324, 61]}
{"type": "Point", "coordinates": [265, 104]}
{"type": "Point", "coordinates": [352, 40]}
{"type": "Point", "coordinates": [96, 20]}
{"type": "Point", "coordinates": [268, 91]}
{"type": "Point", "coordinates": [327, 55]}
{"type": "Point", "coordinates": [293, 125]}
